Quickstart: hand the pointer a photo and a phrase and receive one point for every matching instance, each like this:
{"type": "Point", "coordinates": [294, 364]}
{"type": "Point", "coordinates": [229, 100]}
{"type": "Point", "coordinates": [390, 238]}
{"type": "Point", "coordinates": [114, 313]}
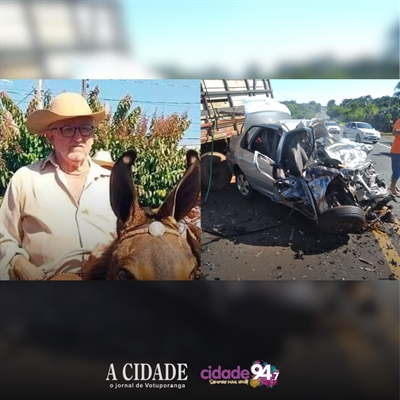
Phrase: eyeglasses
{"type": "Point", "coordinates": [69, 131]}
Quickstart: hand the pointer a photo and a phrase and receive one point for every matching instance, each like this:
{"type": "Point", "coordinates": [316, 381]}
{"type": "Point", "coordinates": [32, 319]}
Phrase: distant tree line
{"type": "Point", "coordinates": [381, 113]}
{"type": "Point", "coordinates": [303, 110]}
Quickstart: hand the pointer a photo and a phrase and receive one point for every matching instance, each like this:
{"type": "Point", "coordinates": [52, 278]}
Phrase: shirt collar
{"type": "Point", "coordinates": [95, 169]}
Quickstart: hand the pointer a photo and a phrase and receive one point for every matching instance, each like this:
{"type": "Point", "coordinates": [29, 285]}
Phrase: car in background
{"type": "Point", "coordinates": [360, 132]}
{"type": "Point", "coordinates": [333, 127]}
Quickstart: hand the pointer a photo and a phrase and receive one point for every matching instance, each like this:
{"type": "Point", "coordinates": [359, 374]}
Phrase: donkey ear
{"type": "Point", "coordinates": [183, 197]}
{"type": "Point", "coordinates": [122, 189]}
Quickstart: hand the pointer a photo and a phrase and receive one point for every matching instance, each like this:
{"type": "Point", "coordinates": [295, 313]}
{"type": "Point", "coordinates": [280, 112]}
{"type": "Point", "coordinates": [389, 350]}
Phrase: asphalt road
{"type": "Point", "coordinates": [255, 240]}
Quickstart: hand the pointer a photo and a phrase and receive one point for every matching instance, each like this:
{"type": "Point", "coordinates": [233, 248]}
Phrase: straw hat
{"type": "Point", "coordinates": [64, 106]}
{"type": "Point", "coordinates": [103, 158]}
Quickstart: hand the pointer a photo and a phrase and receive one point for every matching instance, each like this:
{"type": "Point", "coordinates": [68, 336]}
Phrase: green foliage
{"type": "Point", "coordinates": [304, 110]}
{"type": "Point", "coordinates": [397, 91]}
{"type": "Point", "coordinates": [17, 146]}
{"type": "Point", "coordinates": [331, 103]}
{"type": "Point", "coordinates": [157, 170]}
{"type": "Point", "coordinates": [381, 113]}
{"type": "Point", "coordinates": [160, 162]}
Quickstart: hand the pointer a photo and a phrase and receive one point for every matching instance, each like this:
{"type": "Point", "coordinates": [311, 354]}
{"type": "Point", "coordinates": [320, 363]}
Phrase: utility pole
{"type": "Point", "coordinates": [39, 94]}
{"type": "Point", "coordinates": [85, 85]}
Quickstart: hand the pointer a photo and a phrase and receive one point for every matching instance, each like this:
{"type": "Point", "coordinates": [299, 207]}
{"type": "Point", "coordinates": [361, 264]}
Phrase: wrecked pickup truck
{"type": "Point", "coordinates": [330, 181]}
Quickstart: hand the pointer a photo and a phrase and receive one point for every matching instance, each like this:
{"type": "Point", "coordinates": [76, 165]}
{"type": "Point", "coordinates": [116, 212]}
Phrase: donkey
{"type": "Point", "coordinates": [148, 245]}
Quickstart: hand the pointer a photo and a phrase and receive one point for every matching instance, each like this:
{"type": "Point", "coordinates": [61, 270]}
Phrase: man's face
{"type": "Point", "coordinates": [71, 148]}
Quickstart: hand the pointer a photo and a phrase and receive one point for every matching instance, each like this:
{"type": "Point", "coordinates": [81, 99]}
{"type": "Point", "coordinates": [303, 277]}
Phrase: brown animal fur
{"type": "Point", "coordinates": [143, 256]}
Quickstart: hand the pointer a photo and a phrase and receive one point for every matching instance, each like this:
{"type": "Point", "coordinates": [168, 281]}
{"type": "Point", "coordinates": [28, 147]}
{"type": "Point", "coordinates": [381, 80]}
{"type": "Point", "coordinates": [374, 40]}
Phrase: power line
{"type": "Point", "coordinates": [172, 103]}
{"type": "Point", "coordinates": [147, 82]}
{"type": "Point", "coordinates": [165, 103]}
{"type": "Point", "coordinates": [32, 91]}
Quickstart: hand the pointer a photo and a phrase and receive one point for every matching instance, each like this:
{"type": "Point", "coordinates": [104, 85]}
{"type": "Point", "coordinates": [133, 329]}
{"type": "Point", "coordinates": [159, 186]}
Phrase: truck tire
{"type": "Point", "coordinates": [341, 220]}
{"type": "Point", "coordinates": [221, 174]}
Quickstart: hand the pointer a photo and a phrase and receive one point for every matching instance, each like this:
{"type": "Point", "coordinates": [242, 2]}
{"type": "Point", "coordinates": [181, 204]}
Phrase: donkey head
{"type": "Point", "coordinates": [148, 244]}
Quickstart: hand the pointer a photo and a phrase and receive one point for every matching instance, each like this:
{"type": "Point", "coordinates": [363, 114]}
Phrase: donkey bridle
{"type": "Point", "coordinates": [147, 229]}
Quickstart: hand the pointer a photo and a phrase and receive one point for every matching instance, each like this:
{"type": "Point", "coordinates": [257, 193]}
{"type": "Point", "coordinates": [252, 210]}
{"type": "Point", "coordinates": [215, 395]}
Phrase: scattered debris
{"type": "Point", "coordinates": [366, 261]}
{"type": "Point", "coordinates": [219, 227]}
{"type": "Point", "coordinates": [393, 262]}
{"type": "Point", "coordinates": [292, 234]}
{"type": "Point", "coordinates": [210, 265]}
{"type": "Point", "coordinates": [299, 255]}
{"type": "Point", "coordinates": [367, 269]}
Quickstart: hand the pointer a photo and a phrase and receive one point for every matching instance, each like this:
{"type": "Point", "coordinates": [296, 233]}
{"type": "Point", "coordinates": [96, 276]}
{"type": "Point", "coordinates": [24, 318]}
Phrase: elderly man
{"type": "Point", "coordinates": [56, 212]}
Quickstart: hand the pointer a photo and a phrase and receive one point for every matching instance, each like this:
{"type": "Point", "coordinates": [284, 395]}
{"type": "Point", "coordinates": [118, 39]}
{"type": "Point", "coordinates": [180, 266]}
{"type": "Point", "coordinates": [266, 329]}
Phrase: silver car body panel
{"type": "Point", "coordinates": [350, 154]}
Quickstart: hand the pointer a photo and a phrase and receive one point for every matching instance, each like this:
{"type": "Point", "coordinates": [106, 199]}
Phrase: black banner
{"type": "Point", "coordinates": [194, 339]}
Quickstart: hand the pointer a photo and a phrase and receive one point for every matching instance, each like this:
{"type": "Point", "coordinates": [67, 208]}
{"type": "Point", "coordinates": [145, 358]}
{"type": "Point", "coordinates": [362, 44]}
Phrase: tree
{"type": "Point", "coordinates": [160, 161]}
{"type": "Point", "coordinates": [397, 91]}
{"type": "Point", "coordinates": [371, 110]}
{"type": "Point", "coordinates": [337, 112]}
{"type": "Point", "coordinates": [305, 110]}
{"type": "Point", "coordinates": [331, 103]}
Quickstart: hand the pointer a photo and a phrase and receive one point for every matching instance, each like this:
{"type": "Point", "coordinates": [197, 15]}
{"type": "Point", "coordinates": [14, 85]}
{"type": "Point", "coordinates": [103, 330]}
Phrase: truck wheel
{"type": "Point", "coordinates": [244, 187]}
{"type": "Point", "coordinates": [221, 174]}
{"type": "Point", "coordinates": [341, 220]}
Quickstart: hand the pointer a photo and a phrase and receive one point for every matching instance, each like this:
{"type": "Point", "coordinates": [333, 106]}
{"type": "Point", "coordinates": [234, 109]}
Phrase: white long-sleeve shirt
{"type": "Point", "coordinates": [40, 220]}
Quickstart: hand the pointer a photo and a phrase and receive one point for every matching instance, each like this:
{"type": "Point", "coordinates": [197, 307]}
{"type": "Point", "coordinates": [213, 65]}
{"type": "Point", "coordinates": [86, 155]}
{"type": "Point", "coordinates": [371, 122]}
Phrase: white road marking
{"type": "Point", "coordinates": [384, 145]}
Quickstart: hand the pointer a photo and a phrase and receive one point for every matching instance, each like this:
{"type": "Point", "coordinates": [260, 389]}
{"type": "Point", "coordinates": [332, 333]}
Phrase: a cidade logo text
{"type": "Point", "coordinates": [139, 372]}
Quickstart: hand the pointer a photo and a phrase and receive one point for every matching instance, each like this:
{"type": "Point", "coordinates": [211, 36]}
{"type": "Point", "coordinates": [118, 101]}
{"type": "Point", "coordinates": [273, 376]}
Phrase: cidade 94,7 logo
{"type": "Point", "coordinates": [259, 374]}
{"type": "Point", "coordinates": [264, 374]}
{"type": "Point", "coordinates": [263, 371]}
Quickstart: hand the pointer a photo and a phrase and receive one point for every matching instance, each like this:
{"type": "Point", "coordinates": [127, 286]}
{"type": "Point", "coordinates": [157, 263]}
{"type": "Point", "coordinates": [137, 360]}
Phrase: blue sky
{"type": "Point", "coordinates": [236, 34]}
{"type": "Point", "coordinates": [176, 96]}
{"type": "Point", "coordinates": [159, 96]}
{"type": "Point", "coordinates": [323, 90]}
